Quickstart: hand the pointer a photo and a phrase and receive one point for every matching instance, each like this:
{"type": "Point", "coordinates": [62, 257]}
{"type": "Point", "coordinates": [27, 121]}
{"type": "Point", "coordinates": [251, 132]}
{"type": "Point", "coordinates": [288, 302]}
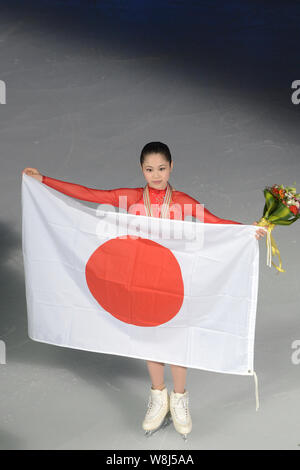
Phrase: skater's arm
{"type": "Point", "coordinates": [196, 209]}
{"type": "Point", "coordinates": [102, 196]}
{"type": "Point", "coordinates": [213, 219]}
{"type": "Point", "coordinates": [119, 197]}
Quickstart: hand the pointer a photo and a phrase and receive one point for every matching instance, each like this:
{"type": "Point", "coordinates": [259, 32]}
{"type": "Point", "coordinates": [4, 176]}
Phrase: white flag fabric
{"type": "Point", "coordinates": [173, 291]}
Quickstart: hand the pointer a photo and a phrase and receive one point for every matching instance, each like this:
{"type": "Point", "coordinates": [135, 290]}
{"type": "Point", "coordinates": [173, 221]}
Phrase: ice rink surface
{"type": "Point", "coordinates": [87, 86]}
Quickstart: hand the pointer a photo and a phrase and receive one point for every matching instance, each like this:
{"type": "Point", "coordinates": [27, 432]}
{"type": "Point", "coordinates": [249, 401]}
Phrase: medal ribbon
{"type": "Point", "coordinates": [271, 244]}
{"type": "Point", "coordinates": [164, 213]}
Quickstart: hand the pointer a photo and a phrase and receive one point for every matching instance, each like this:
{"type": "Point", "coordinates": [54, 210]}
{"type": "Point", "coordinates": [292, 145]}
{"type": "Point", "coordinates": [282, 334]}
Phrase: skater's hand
{"type": "Point", "coordinates": [34, 172]}
{"type": "Point", "coordinates": [261, 232]}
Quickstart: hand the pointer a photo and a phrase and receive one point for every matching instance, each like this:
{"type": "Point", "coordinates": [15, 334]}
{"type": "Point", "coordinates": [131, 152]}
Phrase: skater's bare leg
{"type": "Point", "coordinates": [179, 378]}
{"type": "Point", "coordinates": [156, 372]}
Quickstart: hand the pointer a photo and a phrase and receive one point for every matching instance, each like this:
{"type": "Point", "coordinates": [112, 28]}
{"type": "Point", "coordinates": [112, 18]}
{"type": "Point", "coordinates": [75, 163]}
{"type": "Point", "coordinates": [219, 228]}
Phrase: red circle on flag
{"type": "Point", "coordinates": [136, 280]}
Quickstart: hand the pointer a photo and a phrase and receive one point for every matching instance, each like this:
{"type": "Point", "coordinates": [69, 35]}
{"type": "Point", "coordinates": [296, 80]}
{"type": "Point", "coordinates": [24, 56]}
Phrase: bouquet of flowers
{"type": "Point", "coordinates": [282, 207]}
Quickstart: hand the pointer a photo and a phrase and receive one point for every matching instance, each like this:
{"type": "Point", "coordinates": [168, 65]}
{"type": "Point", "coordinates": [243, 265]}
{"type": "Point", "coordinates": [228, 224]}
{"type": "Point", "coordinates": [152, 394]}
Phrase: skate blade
{"type": "Point", "coordinates": [167, 420]}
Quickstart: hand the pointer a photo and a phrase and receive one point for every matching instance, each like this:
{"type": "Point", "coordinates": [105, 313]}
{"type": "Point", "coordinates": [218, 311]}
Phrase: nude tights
{"type": "Point", "coordinates": [156, 372]}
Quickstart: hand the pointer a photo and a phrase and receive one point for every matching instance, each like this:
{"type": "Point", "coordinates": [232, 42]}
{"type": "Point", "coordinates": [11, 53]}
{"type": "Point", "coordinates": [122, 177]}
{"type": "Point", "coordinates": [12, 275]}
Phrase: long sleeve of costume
{"type": "Point", "coordinates": [101, 196]}
{"type": "Point", "coordinates": [213, 219]}
{"type": "Point", "coordinates": [196, 209]}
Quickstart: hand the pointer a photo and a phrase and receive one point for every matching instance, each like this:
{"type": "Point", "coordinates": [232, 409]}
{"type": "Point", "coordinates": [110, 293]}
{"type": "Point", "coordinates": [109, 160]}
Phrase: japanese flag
{"type": "Point", "coordinates": [173, 291]}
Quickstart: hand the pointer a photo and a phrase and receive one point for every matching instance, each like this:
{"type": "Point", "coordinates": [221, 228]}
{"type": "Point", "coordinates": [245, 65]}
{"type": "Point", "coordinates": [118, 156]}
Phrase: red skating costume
{"type": "Point", "coordinates": [181, 204]}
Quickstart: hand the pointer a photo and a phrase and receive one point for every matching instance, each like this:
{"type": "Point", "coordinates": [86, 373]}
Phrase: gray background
{"type": "Point", "coordinates": [87, 88]}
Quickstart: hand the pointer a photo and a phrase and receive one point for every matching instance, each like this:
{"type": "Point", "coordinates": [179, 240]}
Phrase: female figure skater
{"type": "Point", "coordinates": [157, 165]}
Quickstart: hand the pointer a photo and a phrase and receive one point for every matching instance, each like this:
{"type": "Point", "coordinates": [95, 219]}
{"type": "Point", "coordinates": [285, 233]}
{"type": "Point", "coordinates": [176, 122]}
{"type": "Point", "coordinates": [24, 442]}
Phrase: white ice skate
{"type": "Point", "coordinates": [158, 412]}
{"type": "Point", "coordinates": [180, 413]}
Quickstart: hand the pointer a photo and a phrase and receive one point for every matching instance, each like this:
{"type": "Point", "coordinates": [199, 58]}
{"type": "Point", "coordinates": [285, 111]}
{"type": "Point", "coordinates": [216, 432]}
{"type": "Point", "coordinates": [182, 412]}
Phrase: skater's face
{"type": "Point", "coordinates": [157, 170]}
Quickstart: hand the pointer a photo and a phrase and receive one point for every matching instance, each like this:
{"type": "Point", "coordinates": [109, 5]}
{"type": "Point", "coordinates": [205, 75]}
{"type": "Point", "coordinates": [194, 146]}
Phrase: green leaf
{"type": "Point", "coordinates": [271, 203]}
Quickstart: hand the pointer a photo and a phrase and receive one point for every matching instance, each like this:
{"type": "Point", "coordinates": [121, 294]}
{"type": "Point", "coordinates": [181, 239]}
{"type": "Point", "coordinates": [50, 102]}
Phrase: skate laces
{"type": "Point", "coordinates": [182, 402]}
{"type": "Point", "coordinates": [152, 402]}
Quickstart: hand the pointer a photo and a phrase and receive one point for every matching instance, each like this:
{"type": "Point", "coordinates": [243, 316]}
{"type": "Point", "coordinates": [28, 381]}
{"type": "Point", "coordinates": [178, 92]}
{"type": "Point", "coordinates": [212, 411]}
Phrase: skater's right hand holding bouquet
{"type": "Point", "coordinates": [33, 172]}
